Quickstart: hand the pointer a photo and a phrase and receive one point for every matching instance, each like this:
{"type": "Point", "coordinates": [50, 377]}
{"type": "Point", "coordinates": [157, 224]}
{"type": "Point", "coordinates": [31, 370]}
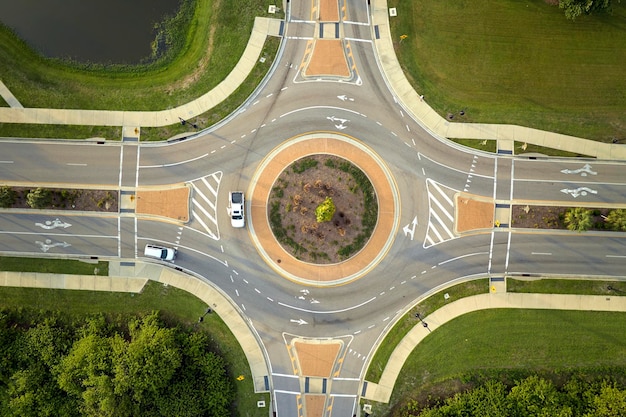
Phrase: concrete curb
{"type": "Point", "coordinates": [381, 392]}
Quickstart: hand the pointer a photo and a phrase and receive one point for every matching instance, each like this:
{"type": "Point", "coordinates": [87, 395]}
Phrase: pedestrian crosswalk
{"type": "Point", "coordinates": [440, 213]}
{"type": "Point", "coordinates": [204, 204]}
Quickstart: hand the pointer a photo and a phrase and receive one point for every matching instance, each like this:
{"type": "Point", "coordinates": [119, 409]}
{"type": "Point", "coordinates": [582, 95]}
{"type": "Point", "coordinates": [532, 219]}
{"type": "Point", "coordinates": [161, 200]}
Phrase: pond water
{"type": "Point", "coordinates": [116, 31]}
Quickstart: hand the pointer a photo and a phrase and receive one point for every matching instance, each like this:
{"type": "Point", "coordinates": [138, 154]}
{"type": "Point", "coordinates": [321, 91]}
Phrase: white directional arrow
{"type": "Point", "coordinates": [53, 224]}
{"type": "Point", "coordinates": [314, 301]}
{"type": "Point", "coordinates": [410, 228]}
{"type": "Point", "coordinates": [299, 321]}
{"type": "Point", "coordinates": [344, 98]}
{"type": "Point", "coordinates": [47, 245]}
{"type": "Point", "coordinates": [336, 119]}
{"type": "Point", "coordinates": [586, 169]}
{"type": "Point", "coordinates": [340, 127]}
{"type": "Point", "coordinates": [304, 291]}
{"type": "Point", "coordinates": [579, 191]}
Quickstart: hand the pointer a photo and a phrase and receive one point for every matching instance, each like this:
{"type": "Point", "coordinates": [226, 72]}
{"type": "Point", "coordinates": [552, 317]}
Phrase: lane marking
{"type": "Point", "coordinates": [541, 253]}
{"type": "Point", "coordinates": [330, 311]}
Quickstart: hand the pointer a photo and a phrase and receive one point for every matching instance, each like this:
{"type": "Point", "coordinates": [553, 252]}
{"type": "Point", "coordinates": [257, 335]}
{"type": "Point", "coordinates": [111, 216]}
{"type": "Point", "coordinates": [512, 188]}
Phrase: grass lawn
{"type": "Point", "coordinates": [507, 342]}
{"type": "Point", "coordinates": [507, 61]}
{"type": "Point", "coordinates": [406, 323]}
{"type": "Point", "coordinates": [566, 286]}
{"type": "Point", "coordinates": [172, 302]}
{"type": "Point", "coordinates": [53, 266]}
{"type": "Point", "coordinates": [208, 46]}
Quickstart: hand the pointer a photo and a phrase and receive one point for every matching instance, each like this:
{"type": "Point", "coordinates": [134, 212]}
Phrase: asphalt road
{"type": "Point", "coordinates": [424, 169]}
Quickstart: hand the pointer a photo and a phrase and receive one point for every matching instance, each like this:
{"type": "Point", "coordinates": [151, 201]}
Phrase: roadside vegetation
{"type": "Point", "coordinates": [518, 63]}
{"type": "Point", "coordinates": [509, 345]}
{"type": "Point", "coordinates": [203, 42]}
{"type": "Point", "coordinates": [178, 312]}
{"type": "Point", "coordinates": [53, 266]}
{"type": "Point", "coordinates": [566, 286]}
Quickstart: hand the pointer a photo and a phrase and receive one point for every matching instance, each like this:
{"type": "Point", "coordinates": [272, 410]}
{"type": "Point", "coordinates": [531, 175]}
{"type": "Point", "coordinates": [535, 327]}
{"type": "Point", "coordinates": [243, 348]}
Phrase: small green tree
{"type": "Point", "coordinates": [39, 198]}
{"type": "Point", "coordinates": [325, 211]}
{"type": "Point", "coordinates": [7, 196]}
{"type": "Point", "coordinates": [574, 8]}
{"type": "Point", "coordinates": [617, 219]}
{"type": "Point", "coordinates": [578, 219]}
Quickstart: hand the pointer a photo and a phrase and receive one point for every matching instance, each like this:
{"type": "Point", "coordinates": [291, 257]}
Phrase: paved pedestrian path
{"type": "Point", "coordinates": [381, 392]}
{"type": "Point", "coordinates": [437, 125]}
{"type": "Point", "coordinates": [415, 103]}
{"type": "Point", "coordinates": [262, 28]}
{"type": "Point", "coordinates": [9, 97]}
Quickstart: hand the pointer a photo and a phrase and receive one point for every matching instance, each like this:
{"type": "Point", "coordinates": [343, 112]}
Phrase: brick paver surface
{"type": "Point", "coordinates": [172, 203]}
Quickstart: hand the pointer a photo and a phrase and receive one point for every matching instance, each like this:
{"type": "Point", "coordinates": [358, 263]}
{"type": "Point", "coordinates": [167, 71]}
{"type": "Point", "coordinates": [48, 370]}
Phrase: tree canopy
{"type": "Point", "coordinates": [575, 8]}
{"type": "Point", "coordinates": [96, 367]}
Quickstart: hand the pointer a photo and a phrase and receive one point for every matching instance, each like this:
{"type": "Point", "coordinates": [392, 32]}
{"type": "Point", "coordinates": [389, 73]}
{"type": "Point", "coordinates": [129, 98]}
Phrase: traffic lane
{"type": "Point", "coordinates": [572, 170]}
{"type": "Point", "coordinates": [569, 193]}
{"type": "Point", "coordinates": [576, 254]}
{"type": "Point", "coordinates": [63, 222]}
{"type": "Point", "coordinates": [64, 244]}
{"type": "Point", "coordinates": [59, 163]}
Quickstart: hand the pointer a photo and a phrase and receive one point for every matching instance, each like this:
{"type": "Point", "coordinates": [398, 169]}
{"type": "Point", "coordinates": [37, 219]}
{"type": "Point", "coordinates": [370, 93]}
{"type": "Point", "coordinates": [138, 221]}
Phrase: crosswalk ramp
{"type": "Point", "coordinates": [204, 203]}
{"type": "Point", "coordinates": [440, 213]}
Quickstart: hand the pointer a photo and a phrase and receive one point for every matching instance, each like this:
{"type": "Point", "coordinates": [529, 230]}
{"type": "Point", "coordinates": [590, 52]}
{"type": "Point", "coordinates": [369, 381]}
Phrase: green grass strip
{"type": "Point", "coordinates": [510, 343]}
{"type": "Point", "coordinates": [566, 286]}
{"type": "Point", "coordinates": [53, 266]}
{"type": "Point", "coordinates": [513, 62]}
{"type": "Point", "coordinates": [408, 321]}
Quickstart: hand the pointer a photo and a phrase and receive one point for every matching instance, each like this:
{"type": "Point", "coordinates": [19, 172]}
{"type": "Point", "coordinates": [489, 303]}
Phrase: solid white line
{"type": "Point", "coordinates": [328, 312]}
{"type": "Point", "coordinates": [508, 251]}
{"type": "Point", "coordinates": [6, 162]}
{"type": "Point", "coordinates": [175, 163]}
{"type": "Point", "coordinates": [343, 395]}
{"type": "Point", "coordinates": [6, 232]}
{"type": "Point", "coordinates": [280, 391]}
{"type": "Point", "coordinates": [541, 253]}
{"type": "Point", "coordinates": [495, 178]}
{"type": "Point", "coordinates": [450, 168]}
{"type": "Point", "coordinates": [119, 236]}
{"type": "Point", "coordinates": [490, 252]}
{"type": "Point", "coordinates": [616, 256]}
{"type": "Point", "coordinates": [317, 108]}
{"type": "Point", "coordinates": [345, 379]}
{"type": "Point", "coordinates": [121, 165]}
{"type": "Point", "coordinates": [286, 375]}
{"type": "Point", "coordinates": [461, 257]}
{"type": "Point", "coordinates": [76, 165]}
{"type": "Point", "coordinates": [512, 177]}
{"type": "Point", "coordinates": [137, 168]}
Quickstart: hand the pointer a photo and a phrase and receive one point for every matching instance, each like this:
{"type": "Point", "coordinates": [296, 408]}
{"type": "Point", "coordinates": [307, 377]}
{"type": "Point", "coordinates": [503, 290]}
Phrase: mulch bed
{"type": "Point", "coordinates": [71, 199]}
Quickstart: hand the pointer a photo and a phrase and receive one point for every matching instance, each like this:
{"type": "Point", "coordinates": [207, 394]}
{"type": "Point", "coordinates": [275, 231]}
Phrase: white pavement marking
{"type": "Point", "coordinates": [541, 253]}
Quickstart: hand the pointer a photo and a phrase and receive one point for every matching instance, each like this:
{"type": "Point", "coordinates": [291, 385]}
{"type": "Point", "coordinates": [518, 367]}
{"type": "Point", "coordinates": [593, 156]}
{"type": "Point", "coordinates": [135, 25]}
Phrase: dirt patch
{"type": "Point", "coordinates": [473, 213]}
{"type": "Point", "coordinates": [306, 184]}
{"type": "Point", "coordinates": [551, 217]}
{"type": "Point", "coordinates": [329, 10]}
{"type": "Point", "coordinates": [70, 199]}
{"type": "Point", "coordinates": [172, 203]}
{"type": "Point", "coordinates": [314, 405]}
{"type": "Point", "coordinates": [317, 359]}
{"type": "Point", "coordinates": [328, 58]}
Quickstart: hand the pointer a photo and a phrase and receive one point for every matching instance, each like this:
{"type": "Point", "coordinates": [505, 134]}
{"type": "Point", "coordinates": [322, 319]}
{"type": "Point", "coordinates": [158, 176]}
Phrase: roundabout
{"type": "Point", "coordinates": [297, 268]}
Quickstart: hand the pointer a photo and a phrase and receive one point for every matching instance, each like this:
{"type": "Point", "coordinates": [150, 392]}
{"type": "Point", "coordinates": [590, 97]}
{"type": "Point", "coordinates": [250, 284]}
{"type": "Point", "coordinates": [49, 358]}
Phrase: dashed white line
{"type": "Point", "coordinates": [257, 291]}
{"type": "Point", "coordinates": [245, 280]}
{"type": "Point", "coordinates": [237, 292]}
{"type": "Point", "coordinates": [371, 327]}
{"type": "Point", "coordinates": [255, 103]}
{"type": "Point", "coordinates": [76, 165]}
{"type": "Point", "coordinates": [616, 256]}
{"type": "Point", "coordinates": [270, 299]}
{"type": "Point", "coordinates": [541, 253]}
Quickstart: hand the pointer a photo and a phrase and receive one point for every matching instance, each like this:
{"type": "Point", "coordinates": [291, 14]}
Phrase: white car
{"type": "Point", "coordinates": [236, 203]}
{"type": "Point", "coordinates": [159, 252]}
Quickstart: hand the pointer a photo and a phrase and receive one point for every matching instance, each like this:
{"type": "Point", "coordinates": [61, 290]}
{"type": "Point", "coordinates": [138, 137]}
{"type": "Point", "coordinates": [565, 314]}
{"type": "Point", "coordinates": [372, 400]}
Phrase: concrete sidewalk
{"type": "Point", "coordinates": [132, 277]}
{"type": "Point", "coordinates": [381, 392]}
{"type": "Point", "coordinates": [437, 125]}
{"type": "Point", "coordinates": [263, 27]}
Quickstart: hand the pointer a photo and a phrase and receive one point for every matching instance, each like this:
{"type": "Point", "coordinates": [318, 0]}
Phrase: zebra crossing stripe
{"type": "Point", "coordinates": [196, 217]}
{"type": "Point", "coordinates": [214, 191]}
{"type": "Point", "coordinates": [201, 194]}
{"type": "Point", "coordinates": [442, 208]}
{"type": "Point", "coordinates": [442, 224]}
{"type": "Point", "coordinates": [443, 194]}
{"type": "Point", "coordinates": [206, 213]}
